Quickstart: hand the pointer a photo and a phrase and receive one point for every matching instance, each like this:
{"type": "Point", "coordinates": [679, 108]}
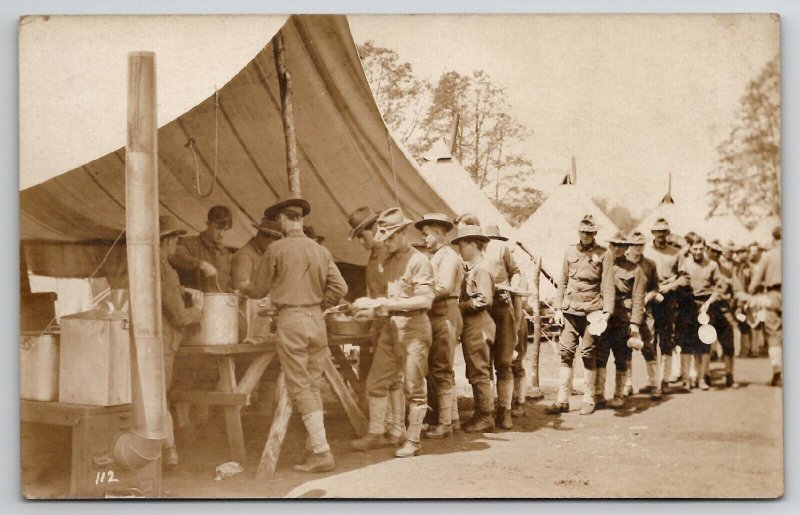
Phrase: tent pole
{"type": "Point", "coordinates": [287, 114]}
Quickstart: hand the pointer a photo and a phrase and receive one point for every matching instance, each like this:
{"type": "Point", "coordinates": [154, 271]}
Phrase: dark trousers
{"type": "Point", "coordinates": [615, 340]}
{"type": "Point", "coordinates": [505, 337]}
{"type": "Point", "coordinates": [576, 329]}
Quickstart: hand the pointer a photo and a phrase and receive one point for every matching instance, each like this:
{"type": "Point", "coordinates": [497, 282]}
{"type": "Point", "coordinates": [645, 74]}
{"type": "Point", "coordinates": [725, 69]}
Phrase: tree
{"type": "Point", "coordinates": [746, 179]}
{"type": "Point", "coordinates": [487, 141]}
{"type": "Point", "coordinates": [394, 87]}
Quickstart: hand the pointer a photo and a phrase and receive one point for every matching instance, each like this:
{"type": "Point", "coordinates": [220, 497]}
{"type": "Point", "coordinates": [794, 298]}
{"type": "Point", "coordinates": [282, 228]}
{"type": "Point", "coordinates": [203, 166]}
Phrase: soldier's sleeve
{"type": "Point", "coordinates": [607, 283]}
{"type": "Point", "coordinates": [512, 269]}
{"type": "Point", "coordinates": [261, 282]}
{"type": "Point", "coordinates": [335, 285]}
{"type": "Point", "coordinates": [184, 258]}
{"type": "Point", "coordinates": [637, 296]}
{"type": "Point", "coordinates": [562, 283]}
{"type": "Point", "coordinates": [241, 270]}
{"type": "Point", "coordinates": [717, 283]}
{"type": "Point", "coordinates": [172, 306]}
{"type": "Point", "coordinates": [446, 276]}
{"type": "Point", "coordinates": [481, 299]}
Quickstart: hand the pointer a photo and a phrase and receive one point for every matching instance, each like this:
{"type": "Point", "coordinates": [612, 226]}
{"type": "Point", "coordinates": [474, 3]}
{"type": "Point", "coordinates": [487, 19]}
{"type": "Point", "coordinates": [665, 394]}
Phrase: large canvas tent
{"type": "Point", "coordinates": [345, 155]}
{"type": "Point", "coordinates": [762, 232]}
{"type": "Point", "coordinates": [554, 226]}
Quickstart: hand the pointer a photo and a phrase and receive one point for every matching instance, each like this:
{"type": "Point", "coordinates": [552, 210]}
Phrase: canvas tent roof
{"type": "Point", "coordinates": [346, 159]}
{"type": "Point", "coordinates": [682, 221]}
{"type": "Point", "coordinates": [554, 226]}
{"type": "Point", "coordinates": [454, 184]}
{"type": "Point", "coordinates": [723, 228]}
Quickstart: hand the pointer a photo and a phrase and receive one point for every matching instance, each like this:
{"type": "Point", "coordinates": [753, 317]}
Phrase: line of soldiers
{"type": "Point", "coordinates": [653, 298]}
{"type": "Point", "coordinates": [434, 297]}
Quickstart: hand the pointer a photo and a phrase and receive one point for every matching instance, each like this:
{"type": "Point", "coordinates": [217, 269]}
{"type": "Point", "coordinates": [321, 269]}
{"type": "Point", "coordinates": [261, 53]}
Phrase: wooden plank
{"type": "Point", "coordinates": [233, 414]}
{"type": "Point", "coordinates": [357, 419]}
{"type": "Point", "coordinates": [198, 397]}
{"type": "Point", "coordinates": [277, 431]}
{"type": "Point", "coordinates": [254, 372]}
{"type": "Point", "coordinates": [224, 350]}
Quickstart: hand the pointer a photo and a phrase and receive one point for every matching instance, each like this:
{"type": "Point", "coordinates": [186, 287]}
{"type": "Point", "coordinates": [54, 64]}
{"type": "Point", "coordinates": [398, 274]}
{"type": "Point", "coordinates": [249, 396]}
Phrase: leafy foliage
{"type": "Point", "coordinates": [746, 180]}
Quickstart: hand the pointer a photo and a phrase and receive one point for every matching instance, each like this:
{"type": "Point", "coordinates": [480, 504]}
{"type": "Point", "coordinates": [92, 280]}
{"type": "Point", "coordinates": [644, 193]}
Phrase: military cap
{"type": "Point", "coordinates": [434, 219]}
{"type": "Point", "coordinates": [361, 219]}
{"type": "Point", "coordinates": [272, 211]}
{"type": "Point", "coordinates": [587, 224]}
{"type": "Point", "coordinates": [389, 222]}
{"type": "Point", "coordinates": [637, 238]}
{"type": "Point", "coordinates": [660, 225]}
{"type": "Point", "coordinates": [470, 232]}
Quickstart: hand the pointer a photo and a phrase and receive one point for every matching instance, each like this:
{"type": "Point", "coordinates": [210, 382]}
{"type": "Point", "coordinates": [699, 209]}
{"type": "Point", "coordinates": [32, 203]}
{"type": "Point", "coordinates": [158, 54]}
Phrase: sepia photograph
{"type": "Point", "coordinates": [451, 256]}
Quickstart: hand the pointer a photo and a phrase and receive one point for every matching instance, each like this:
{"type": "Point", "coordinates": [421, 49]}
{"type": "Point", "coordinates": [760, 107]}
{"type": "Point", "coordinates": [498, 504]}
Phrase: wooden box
{"type": "Point", "coordinates": [95, 359]}
{"type": "Point", "coordinates": [38, 366]}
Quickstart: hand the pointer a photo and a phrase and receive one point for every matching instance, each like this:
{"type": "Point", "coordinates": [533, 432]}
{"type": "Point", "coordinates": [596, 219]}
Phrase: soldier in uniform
{"type": "Point", "coordinates": [405, 339]}
{"type": "Point", "coordinates": [585, 285]}
{"type": "Point", "coordinates": [751, 329]}
{"type": "Point", "coordinates": [246, 260]}
{"type": "Point", "coordinates": [362, 224]}
{"type": "Point", "coordinates": [726, 301]}
{"type": "Point", "coordinates": [445, 317]}
{"type": "Point", "coordinates": [175, 317]}
{"type": "Point", "coordinates": [300, 276]}
{"type": "Point", "coordinates": [647, 328]}
{"type": "Point", "coordinates": [202, 261]}
{"type": "Point", "coordinates": [707, 288]}
{"type": "Point", "coordinates": [477, 335]}
{"type": "Point", "coordinates": [766, 283]}
{"type": "Point", "coordinates": [504, 312]}
{"type": "Point", "coordinates": [627, 316]}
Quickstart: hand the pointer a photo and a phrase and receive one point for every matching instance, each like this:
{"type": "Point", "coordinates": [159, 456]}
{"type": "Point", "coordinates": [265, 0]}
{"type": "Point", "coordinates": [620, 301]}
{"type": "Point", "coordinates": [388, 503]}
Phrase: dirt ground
{"type": "Point", "coordinates": [718, 443]}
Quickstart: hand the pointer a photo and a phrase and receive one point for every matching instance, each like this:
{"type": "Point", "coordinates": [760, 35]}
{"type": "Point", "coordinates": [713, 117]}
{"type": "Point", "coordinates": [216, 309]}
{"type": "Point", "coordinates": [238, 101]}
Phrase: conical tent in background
{"type": "Point", "coordinates": [455, 186]}
{"type": "Point", "coordinates": [554, 226]}
{"type": "Point", "coordinates": [724, 228]}
{"type": "Point", "coordinates": [762, 232]}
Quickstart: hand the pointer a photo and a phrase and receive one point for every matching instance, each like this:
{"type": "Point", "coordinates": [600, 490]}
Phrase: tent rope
{"type": "Point", "coordinates": [190, 145]}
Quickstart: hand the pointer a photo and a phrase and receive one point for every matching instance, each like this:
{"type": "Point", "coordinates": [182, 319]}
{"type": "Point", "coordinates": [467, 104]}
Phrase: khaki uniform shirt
{"type": "Point", "coordinates": [704, 277]}
{"type": "Point", "coordinates": [448, 273]}
{"type": "Point", "coordinates": [477, 288]}
{"type": "Point", "coordinates": [176, 314]}
{"type": "Point", "coordinates": [629, 286]}
{"type": "Point", "coordinates": [192, 250]}
{"type": "Point", "coordinates": [586, 282]}
{"type": "Point", "coordinates": [244, 263]}
{"type": "Point", "coordinates": [767, 272]}
{"type": "Point", "coordinates": [500, 262]}
{"type": "Point", "coordinates": [666, 261]}
{"type": "Point", "coordinates": [297, 271]}
{"type": "Point", "coordinates": [409, 275]}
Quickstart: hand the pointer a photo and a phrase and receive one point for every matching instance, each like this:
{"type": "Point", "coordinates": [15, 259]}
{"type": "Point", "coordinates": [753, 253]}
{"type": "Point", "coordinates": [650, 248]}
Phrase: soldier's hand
{"type": "Point", "coordinates": [208, 269]}
{"type": "Point", "coordinates": [634, 329]}
{"type": "Point", "coordinates": [364, 313]}
{"type": "Point", "coordinates": [558, 318]}
{"type": "Point", "coordinates": [606, 316]}
{"type": "Point", "coordinates": [382, 307]}
{"type": "Point", "coordinates": [198, 300]}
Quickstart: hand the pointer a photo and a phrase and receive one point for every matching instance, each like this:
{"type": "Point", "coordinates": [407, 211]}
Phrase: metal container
{"type": "Point", "coordinates": [258, 322]}
{"type": "Point", "coordinates": [349, 327]}
{"type": "Point", "coordinates": [95, 364]}
{"type": "Point", "coordinates": [219, 324]}
{"type": "Point", "coordinates": [38, 366]}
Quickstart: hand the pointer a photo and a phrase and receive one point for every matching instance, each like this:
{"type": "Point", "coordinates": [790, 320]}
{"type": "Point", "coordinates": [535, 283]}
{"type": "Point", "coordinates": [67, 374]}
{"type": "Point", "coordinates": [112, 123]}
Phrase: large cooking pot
{"type": "Point", "coordinates": [219, 324]}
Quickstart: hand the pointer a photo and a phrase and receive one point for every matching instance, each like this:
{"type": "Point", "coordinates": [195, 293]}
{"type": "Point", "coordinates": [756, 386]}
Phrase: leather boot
{"type": "Point", "coordinates": [600, 388]}
{"type": "Point", "coordinates": [455, 418]}
{"type": "Point", "coordinates": [444, 428]}
{"type": "Point", "coordinates": [520, 394]}
{"type": "Point", "coordinates": [619, 388]}
{"type": "Point", "coordinates": [412, 445]}
{"type": "Point", "coordinates": [628, 390]}
{"type": "Point", "coordinates": [322, 462]}
{"type": "Point", "coordinates": [484, 408]}
{"type": "Point", "coordinates": [564, 389]}
{"type": "Point", "coordinates": [589, 380]}
{"type": "Point", "coordinates": [505, 392]}
{"type": "Point", "coordinates": [374, 439]}
{"type": "Point", "coordinates": [652, 380]}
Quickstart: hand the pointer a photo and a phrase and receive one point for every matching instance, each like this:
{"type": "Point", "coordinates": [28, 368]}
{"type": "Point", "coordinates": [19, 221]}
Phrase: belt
{"type": "Point", "coordinates": [285, 306]}
{"type": "Point", "coordinates": [409, 313]}
{"type": "Point", "coordinates": [445, 300]}
{"type": "Point", "coordinates": [774, 287]}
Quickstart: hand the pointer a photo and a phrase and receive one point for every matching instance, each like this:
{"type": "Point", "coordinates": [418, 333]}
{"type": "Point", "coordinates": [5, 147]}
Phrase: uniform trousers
{"type": "Point", "coordinates": [575, 331]}
{"type": "Point", "coordinates": [615, 340]}
{"type": "Point", "coordinates": [302, 345]}
{"type": "Point", "coordinates": [403, 347]}
{"type": "Point", "coordinates": [445, 327]}
{"type": "Point", "coordinates": [663, 321]}
{"type": "Point", "coordinates": [505, 337]}
{"type": "Point", "coordinates": [690, 341]}
{"type": "Point", "coordinates": [477, 338]}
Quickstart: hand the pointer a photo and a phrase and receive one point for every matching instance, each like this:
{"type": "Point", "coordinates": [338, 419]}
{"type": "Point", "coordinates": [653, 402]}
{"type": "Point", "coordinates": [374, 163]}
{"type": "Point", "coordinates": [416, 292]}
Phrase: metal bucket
{"type": "Point", "coordinates": [219, 324]}
{"type": "Point", "coordinates": [258, 323]}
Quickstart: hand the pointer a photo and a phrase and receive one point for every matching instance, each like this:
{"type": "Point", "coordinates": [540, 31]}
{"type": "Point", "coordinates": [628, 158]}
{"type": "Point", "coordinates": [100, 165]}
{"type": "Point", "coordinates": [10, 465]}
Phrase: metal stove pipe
{"type": "Point", "coordinates": [142, 444]}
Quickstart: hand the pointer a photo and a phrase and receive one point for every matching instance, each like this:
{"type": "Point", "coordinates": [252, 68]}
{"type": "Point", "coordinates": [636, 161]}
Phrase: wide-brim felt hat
{"type": "Point", "coordinates": [269, 227]}
{"type": "Point", "coordinates": [360, 219]}
{"type": "Point", "coordinates": [434, 218]}
{"type": "Point", "coordinates": [470, 233]}
{"type": "Point", "coordinates": [587, 224]}
{"type": "Point", "coordinates": [168, 226]}
{"type": "Point", "coordinates": [272, 211]}
{"type": "Point", "coordinates": [493, 232]}
{"type": "Point", "coordinates": [660, 225]}
{"type": "Point", "coordinates": [309, 231]}
{"type": "Point", "coordinates": [619, 239]}
{"type": "Point", "coordinates": [715, 245]}
{"type": "Point", "coordinates": [637, 238]}
{"type": "Point", "coordinates": [389, 222]}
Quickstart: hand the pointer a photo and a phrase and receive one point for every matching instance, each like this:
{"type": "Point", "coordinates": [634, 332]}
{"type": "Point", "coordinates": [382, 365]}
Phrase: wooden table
{"type": "Point", "coordinates": [233, 396]}
{"type": "Point", "coordinates": [356, 378]}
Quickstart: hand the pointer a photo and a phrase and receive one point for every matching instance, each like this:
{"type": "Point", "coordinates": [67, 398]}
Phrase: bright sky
{"type": "Point", "coordinates": [632, 97]}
